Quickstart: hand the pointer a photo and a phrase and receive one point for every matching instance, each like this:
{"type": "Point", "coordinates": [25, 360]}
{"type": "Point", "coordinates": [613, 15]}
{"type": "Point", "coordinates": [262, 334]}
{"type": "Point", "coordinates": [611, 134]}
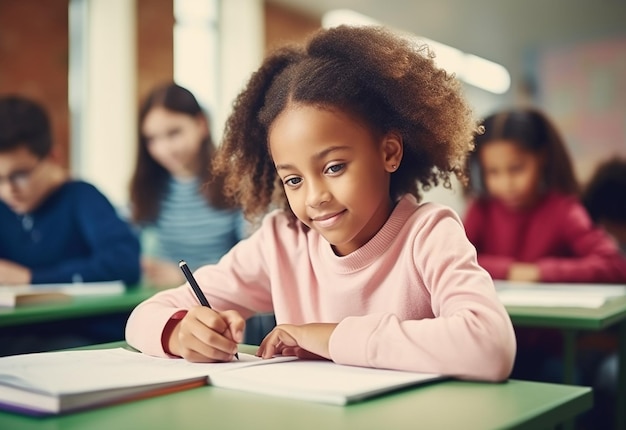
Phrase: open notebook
{"type": "Point", "coordinates": [57, 382]}
{"type": "Point", "coordinates": [557, 294]}
{"type": "Point", "coordinates": [19, 295]}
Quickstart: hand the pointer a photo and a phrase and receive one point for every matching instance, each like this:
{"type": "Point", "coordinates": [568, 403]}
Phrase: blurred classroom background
{"type": "Point", "coordinates": [90, 62]}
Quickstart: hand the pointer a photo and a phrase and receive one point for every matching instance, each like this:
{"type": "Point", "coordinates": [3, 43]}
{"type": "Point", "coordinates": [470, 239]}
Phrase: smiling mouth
{"type": "Point", "coordinates": [326, 221]}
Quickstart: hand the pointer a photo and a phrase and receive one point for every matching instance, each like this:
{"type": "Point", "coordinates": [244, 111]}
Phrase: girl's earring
{"type": "Point", "coordinates": [394, 167]}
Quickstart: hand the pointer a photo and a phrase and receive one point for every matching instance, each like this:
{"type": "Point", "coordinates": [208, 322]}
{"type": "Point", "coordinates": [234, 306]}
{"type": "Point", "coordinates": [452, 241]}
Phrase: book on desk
{"type": "Point", "coordinates": [576, 295]}
{"type": "Point", "coordinates": [50, 383]}
{"type": "Point", "coordinates": [21, 295]}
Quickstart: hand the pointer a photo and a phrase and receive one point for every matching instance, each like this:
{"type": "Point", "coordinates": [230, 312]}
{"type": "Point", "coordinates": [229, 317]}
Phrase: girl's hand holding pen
{"type": "Point", "coordinates": [205, 335]}
{"type": "Point", "coordinates": [229, 326]}
{"type": "Point", "coordinates": [304, 341]}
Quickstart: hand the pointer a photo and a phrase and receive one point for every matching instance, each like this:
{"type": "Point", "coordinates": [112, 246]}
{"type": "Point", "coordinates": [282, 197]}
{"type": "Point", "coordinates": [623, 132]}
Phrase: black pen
{"type": "Point", "coordinates": [195, 287]}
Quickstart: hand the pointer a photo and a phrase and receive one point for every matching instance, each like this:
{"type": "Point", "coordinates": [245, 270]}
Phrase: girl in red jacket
{"type": "Point", "coordinates": [527, 222]}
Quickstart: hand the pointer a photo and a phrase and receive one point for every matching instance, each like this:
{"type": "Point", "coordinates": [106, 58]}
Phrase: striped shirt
{"type": "Point", "coordinates": [189, 228]}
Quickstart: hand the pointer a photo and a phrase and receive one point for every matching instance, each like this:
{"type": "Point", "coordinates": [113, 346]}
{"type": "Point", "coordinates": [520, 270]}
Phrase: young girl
{"type": "Point", "coordinates": [338, 135]}
{"type": "Point", "coordinates": [527, 222]}
{"type": "Point", "coordinates": [175, 197]}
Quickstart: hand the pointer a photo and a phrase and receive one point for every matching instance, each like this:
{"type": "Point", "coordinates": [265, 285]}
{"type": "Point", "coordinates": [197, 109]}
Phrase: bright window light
{"type": "Point", "coordinates": [195, 49]}
{"type": "Point", "coordinates": [469, 68]}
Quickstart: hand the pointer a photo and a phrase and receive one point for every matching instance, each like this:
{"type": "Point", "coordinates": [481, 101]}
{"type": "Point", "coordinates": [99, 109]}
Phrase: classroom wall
{"type": "Point", "coordinates": [284, 25]}
{"type": "Point", "coordinates": [155, 44]}
{"type": "Point", "coordinates": [34, 53]}
{"type": "Point", "coordinates": [583, 86]}
{"type": "Point", "coordinates": [103, 151]}
{"type": "Point", "coordinates": [34, 60]}
{"type": "Point", "coordinates": [40, 28]}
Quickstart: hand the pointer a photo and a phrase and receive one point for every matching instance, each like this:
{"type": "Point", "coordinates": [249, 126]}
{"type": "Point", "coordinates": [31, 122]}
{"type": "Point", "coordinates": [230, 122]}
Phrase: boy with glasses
{"type": "Point", "coordinates": [53, 228]}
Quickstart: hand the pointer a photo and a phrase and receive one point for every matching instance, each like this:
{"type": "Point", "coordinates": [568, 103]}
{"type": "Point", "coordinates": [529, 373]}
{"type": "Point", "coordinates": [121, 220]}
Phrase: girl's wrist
{"type": "Point", "coordinates": [169, 337]}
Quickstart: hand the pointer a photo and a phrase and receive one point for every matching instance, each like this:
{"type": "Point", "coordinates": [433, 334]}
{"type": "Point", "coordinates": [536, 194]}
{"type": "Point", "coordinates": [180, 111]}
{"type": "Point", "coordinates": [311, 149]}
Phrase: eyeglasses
{"type": "Point", "coordinates": [20, 178]}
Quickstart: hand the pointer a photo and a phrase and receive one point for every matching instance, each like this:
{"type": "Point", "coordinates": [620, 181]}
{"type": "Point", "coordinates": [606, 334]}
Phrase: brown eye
{"type": "Point", "coordinates": [174, 132]}
{"type": "Point", "coordinates": [292, 182]}
{"type": "Point", "coordinates": [336, 168]}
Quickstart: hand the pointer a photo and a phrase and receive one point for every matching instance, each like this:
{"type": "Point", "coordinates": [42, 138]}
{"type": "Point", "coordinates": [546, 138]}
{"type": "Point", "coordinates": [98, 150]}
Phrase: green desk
{"type": "Point", "coordinates": [442, 405]}
{"type": "Point", "coordinates": [18, 325]}
{"type": "Point", "coordinates": [79, 307]}
{"type": "Point", "coordinates": [573, 320]}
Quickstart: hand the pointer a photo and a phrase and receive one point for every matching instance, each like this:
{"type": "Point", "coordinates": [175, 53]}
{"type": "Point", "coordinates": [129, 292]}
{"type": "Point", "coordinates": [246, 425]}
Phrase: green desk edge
{"type": "Point", "coordinates": [442, 405]}
{"type": "Point", "coordinates": [78, 307]}
{"type": "Point", "coordinates": [570, 318]}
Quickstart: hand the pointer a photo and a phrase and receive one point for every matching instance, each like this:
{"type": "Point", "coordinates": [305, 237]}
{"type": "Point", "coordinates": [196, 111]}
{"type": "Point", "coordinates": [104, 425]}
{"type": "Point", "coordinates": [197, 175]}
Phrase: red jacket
{"type": "Point", "coordinates": [557, 234]}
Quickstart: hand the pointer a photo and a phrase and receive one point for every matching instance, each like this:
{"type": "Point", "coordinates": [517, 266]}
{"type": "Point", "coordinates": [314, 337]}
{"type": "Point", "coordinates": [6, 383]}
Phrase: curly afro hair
{"type": "Point", "coordinates": [386, 80]}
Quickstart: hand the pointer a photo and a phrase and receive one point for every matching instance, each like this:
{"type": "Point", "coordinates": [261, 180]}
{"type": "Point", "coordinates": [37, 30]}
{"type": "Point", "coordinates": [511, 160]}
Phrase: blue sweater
{"type": "Point", "coordinates": [74, 235]}
{"type": "Point", "coordinates": [190, 228]}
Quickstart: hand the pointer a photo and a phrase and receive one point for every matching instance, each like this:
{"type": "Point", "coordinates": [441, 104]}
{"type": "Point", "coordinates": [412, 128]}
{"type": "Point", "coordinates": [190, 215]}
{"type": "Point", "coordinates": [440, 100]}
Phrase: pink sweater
{"type": "Point", "coordinates": [557, 234]}
{"type": "Point", "coordinates": [412, 298]}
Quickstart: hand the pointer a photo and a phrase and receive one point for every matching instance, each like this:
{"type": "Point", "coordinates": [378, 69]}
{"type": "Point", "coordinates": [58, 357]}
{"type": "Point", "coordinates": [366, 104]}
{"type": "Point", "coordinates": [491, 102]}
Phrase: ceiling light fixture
{"type": "Point", "coordinates": [469, 68]}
